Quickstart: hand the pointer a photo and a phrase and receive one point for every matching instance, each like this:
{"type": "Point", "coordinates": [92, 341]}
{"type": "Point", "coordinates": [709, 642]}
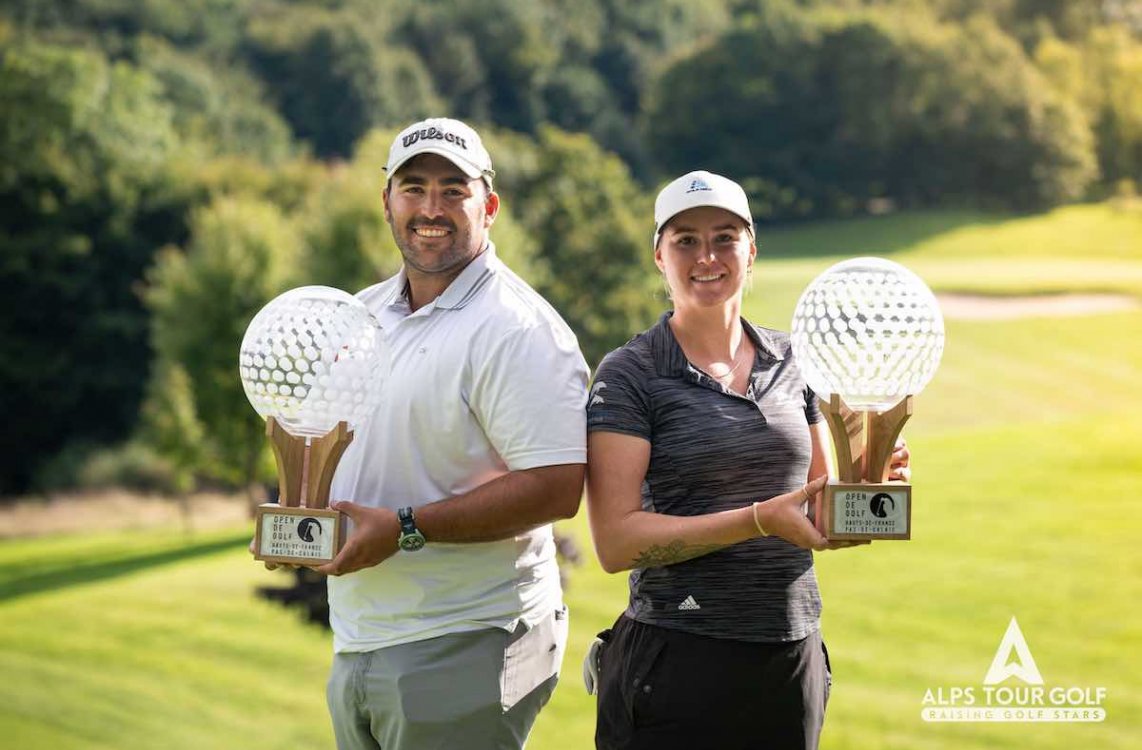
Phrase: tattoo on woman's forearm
{"type": "Point", "coordinates": [676, 551]}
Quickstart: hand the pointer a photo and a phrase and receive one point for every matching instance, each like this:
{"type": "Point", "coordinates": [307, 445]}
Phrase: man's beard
{"type": "Point", "coordinates": [457, 253]}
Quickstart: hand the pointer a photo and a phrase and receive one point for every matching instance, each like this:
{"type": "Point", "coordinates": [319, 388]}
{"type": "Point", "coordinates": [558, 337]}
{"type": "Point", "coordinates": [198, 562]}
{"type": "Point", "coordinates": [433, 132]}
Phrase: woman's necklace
{"type": "Point", "coordinates": [738, 359]}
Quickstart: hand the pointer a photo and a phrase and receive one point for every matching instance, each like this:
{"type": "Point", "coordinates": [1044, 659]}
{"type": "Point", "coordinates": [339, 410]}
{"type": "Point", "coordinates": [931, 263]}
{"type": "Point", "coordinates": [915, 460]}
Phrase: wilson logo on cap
{"type": "Point", "coordinates": [432, 133]}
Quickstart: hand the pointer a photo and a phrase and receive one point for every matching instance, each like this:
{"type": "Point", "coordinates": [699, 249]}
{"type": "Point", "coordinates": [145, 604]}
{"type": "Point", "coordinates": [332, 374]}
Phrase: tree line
{"type": "Point", "coordinates": [168, 166]}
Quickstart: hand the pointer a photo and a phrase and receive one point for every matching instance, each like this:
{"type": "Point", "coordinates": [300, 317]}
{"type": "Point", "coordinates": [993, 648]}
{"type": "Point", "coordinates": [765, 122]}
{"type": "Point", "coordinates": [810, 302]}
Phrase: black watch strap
{"type": "Point", "coordinates": [411, 539]}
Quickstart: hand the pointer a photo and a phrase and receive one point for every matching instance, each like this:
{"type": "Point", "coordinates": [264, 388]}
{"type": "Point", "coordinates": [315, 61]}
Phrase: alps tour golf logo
{"type": "Point", "coordinates": [1030, 701]}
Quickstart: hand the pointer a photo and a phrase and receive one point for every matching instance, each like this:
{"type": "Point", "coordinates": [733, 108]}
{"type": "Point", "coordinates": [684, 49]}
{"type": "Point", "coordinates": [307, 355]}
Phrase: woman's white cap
{"type": "Point", "coordinates": [696, 189]}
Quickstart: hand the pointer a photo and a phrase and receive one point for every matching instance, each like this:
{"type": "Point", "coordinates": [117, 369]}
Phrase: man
{"type": "Point", "coordinates": [445, 601]}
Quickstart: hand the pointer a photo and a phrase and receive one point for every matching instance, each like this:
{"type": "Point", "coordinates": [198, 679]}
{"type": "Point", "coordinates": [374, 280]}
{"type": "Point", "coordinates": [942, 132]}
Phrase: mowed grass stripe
{"type": "Point", "coordinates": [176, 656]}
{"type": "Point", "coordinates": [1032, 370]}
{"type": "Point", "coordinates": [1093, 231]}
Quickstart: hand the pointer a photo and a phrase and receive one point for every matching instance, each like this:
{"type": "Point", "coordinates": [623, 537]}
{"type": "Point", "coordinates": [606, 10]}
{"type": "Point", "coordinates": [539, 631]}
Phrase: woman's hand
{"type": "Point", "coordinates": [784, 516]}
{"type": "Point", "coordinates": [269, 565]}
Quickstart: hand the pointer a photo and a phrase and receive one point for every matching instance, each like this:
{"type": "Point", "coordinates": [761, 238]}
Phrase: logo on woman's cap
{"type": "Point", "coordinates": [696, 189]}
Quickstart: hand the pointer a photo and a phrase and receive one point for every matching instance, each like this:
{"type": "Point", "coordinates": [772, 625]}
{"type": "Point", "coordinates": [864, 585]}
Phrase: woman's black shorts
{"type": "Point", "coordinates": [661, 689]}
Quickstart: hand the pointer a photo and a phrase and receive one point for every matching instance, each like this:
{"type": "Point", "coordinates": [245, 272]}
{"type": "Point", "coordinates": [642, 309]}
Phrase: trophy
{"type": "Point", "coordinates": [312, 362]}
{"type": "Point", "coordinates": [868, 335]}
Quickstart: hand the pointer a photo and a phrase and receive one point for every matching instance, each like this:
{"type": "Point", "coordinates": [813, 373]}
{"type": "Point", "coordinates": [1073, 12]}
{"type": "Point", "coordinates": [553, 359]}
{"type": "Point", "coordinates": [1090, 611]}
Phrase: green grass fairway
{"type": "Point", "coordinates": [1027, 472]}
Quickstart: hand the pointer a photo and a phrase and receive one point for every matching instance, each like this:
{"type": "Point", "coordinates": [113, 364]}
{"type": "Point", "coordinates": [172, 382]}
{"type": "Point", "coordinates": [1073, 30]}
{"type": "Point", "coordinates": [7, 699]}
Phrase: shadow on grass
{"type": "Point", "coordinates": [78, 575]}
{"type": "Point", "coordinates": [866, 235]}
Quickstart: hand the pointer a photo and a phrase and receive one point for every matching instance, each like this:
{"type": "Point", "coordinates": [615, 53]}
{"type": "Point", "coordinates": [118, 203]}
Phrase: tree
{"type": "Point", "coordinates": [333, 76]}
{"type": "Point", "coordinates": [219, 111]}
{"type": "Point", "coordinates": [242, 253]}
{"type": "Point", "coordinates": [213, 25]}
{"type": "Point", "coordinates": [83, 153]}
{"type": "Point", "coordinates": [593, 227]}
{"type": "Point", "coordinates": [995, 127]}
{"type": "Point", "coordinates": [487, 58]}
{"type": "Point", "coordinates": [818, 113]}
{"type": "Point", "coordinates": [1101, 74]}
{"type": "Point", "coordinates": [171, 426]}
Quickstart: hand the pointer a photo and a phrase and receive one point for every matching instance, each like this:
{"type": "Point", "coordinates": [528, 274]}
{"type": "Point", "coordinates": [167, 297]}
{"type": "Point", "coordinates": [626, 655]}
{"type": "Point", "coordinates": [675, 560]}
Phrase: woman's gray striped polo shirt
{"type": "Point", "coordinates": [714, 450]}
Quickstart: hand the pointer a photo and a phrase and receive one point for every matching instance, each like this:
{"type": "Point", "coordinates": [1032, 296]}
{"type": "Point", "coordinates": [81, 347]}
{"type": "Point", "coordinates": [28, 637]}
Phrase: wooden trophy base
{"type": "Point", "coordinates": [862, 506]}
{"type": "Point", "coordinates": [864, 511]}
{"type": "Point", "coordinates": [298, 536]}
{"type": "Point", "coordinates": [302, 529]}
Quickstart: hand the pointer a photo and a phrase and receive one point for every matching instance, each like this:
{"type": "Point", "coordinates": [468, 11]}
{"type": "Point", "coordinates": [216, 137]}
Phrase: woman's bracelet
{"type": "Point", "coordinates": [757, 521]}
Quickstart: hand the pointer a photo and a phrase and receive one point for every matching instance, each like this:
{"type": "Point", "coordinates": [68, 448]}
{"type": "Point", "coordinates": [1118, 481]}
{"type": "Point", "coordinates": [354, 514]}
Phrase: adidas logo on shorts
{"type": "Point", "coordinates": [688, 603]}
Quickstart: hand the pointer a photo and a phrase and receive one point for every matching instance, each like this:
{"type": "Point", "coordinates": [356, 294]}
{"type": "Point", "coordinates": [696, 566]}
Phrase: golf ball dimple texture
{"type": "Point", "coordinates": [869, 330]}
{"type": "Point", "coordinates": [313, 357]}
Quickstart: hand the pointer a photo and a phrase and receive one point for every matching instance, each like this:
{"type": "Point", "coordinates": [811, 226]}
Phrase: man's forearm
{"type": "Point", "coordinates": [506, 506]}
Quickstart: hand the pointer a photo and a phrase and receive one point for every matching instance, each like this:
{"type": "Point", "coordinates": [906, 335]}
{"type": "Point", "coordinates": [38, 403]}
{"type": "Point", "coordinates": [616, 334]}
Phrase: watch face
{"type": "Point", "coordinates": [411, 542]}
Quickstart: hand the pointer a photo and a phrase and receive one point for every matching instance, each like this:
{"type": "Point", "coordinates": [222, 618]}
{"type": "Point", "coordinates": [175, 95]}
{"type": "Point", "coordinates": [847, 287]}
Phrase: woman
{"type": "Point", "coordinates": [692, 425]}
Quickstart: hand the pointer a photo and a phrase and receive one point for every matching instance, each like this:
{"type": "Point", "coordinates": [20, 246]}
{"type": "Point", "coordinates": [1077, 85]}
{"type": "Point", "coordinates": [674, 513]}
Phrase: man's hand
{"type": "Point", "coordinates": [374, 539]}
{"type": "Point", "coordinates": [899, 466]}
{"type": "Point", "coordinates": [784, 516]}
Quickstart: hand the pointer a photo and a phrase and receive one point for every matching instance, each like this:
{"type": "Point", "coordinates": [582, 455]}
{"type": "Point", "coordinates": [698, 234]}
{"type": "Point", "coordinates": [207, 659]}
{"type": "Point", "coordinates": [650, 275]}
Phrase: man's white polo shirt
{"type": "Point", "coordinates": [485, 380]}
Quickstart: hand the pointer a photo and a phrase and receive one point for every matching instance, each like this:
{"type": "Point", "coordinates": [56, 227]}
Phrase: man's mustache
{"type": "Point", "coordinates": [434, 224]}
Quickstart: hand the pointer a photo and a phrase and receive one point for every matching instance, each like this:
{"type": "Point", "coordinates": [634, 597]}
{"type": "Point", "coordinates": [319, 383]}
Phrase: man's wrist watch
{"type": "Point", "coordinates": [410, 537]}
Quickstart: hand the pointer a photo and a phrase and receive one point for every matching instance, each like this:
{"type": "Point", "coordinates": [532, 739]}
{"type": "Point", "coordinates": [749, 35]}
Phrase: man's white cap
{"type": "Point", "coordinates": [445, 137]}
{"type": "Point", "coordinates": [696, 189]}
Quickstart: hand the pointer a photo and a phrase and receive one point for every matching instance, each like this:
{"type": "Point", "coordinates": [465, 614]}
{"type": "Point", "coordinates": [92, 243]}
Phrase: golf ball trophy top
{"type": "Point", "coordinates": [868, 335]}
{"type": "Point", "coordinates": [312, 363]}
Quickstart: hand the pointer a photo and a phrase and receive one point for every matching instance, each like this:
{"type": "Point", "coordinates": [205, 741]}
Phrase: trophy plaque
{"type": "Point", "coordinates": [868, 335]}
{"type": "Point", "coordinates": [312, 363]}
